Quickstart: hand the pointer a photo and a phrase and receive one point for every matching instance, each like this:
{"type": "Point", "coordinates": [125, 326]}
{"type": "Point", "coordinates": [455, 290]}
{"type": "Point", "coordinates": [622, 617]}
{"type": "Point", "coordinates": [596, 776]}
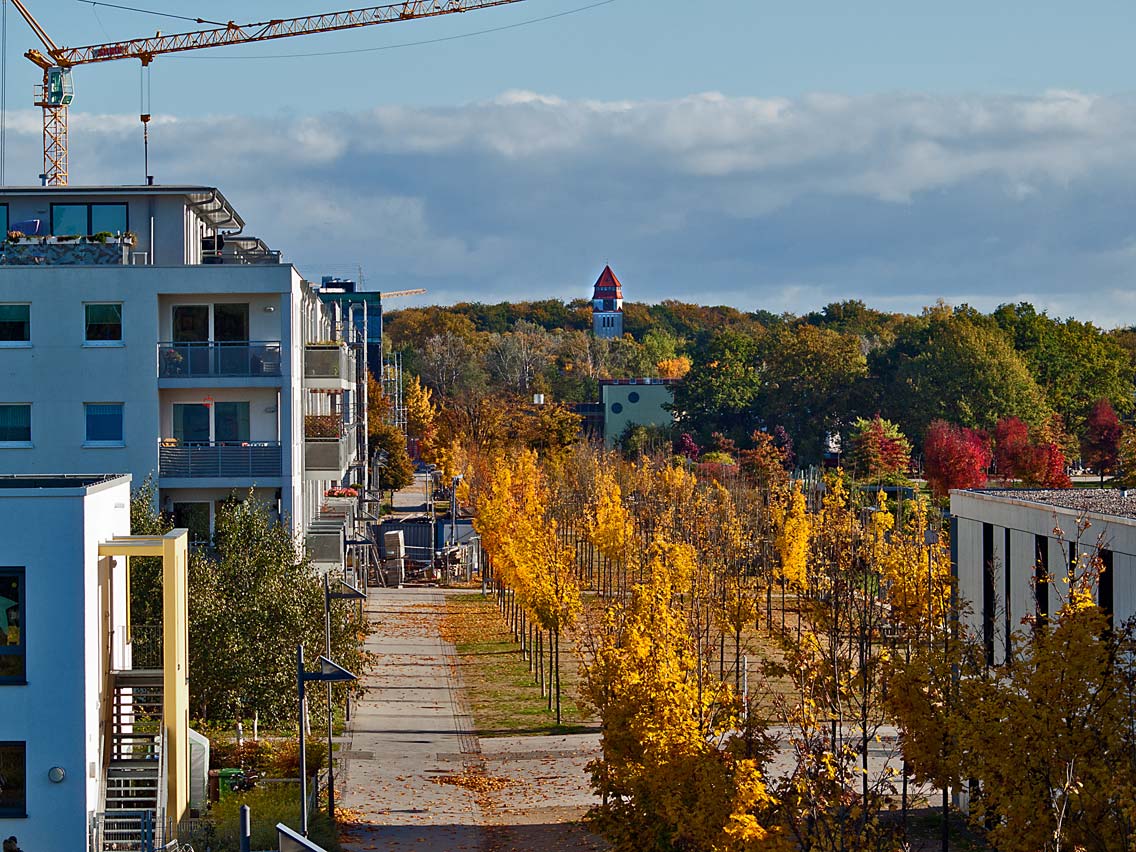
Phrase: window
{"type": "Point", "coordinates": [15, 324]}
{"type": "Point", "coordinates": [13, 779]}
{"type": "Point", "coordinates": [16, 424]}
{"type": "Point", "coordinates": [616, 407]}
{"type": "Point", "coordinates": [87, 219]}
{"type": "Point", "coordinates": [69, 219]}
{"type": "Point", "coordinates": [4, 217]}
{"type": "Point", "coordinates": [191, 423]}
{"type": "Point", "coordinates": [108, 217]}
{"type": "Point", "coordinates": [104, 422]}
{"type": "Point", "coordinates": [12, 669]}
{"type": "Point", "coordinates": [633, 397]}
{"type": "Point", "coordinates": [103, 323]}
{"type": "Point", "coordinates": [195, 518]}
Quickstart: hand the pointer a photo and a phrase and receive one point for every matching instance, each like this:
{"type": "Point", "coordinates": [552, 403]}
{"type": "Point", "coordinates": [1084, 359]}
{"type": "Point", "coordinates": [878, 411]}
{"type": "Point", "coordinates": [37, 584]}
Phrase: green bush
{"type": "Point", "coordinates": [269, 805]}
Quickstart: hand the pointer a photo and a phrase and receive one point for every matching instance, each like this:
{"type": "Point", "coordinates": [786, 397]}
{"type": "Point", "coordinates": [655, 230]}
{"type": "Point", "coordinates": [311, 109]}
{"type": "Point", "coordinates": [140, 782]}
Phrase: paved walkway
{"type": "Point", "coordinates": [414, 775]}
{"type": "Point", "coordinates": [407, 734]}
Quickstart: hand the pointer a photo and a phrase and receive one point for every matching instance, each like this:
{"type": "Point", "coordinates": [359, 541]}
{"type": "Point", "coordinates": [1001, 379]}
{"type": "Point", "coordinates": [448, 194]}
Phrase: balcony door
{"type": "Point", "coordinates": [231, 331]}
{"type": "Point", "coordinates": [222, 423]}
{"type": "Point", "coordinates": [191, 329]}
{"type": "Point", "coordinates": [224, 324]}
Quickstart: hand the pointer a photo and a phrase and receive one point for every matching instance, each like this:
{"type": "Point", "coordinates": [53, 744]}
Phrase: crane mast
{"type": "Point", "coordinates": [56, 92]}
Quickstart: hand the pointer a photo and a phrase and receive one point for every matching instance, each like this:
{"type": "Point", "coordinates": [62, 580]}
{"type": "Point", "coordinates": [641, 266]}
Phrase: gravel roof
{"type": "Point", "coordinates": [1104, 501]}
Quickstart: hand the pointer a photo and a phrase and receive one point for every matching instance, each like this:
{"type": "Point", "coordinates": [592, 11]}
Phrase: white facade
{"type": "Point", "coordinates": [208, 375]}
{"type": "Point", "coordinates": [1003, 541]}
{"type": "Point", "coordinates": [72, 625]}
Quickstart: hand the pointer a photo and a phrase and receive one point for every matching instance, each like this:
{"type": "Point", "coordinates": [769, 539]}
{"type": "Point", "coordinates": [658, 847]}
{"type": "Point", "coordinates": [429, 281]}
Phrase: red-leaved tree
{"type": "Point", "coordinates": [1038, 464]}
{"type": "Point", "coordinates": [1100, 446]}
{"type": "Point", "coordinates": [1012, 447]}
{"type": "Point", "coordinates": [954, 457]}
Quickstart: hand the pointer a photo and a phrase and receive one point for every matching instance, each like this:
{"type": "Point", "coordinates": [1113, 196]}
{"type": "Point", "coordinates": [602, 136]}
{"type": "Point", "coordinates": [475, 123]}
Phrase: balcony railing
{"type": "Point", "coordinates": [327, 362]}
{"type": "Point", "coordinates": [330, 456]}
{"type": "Point", "coordinates": [215, 358]}
{"type": "Point", "coordinates": [220, 459]}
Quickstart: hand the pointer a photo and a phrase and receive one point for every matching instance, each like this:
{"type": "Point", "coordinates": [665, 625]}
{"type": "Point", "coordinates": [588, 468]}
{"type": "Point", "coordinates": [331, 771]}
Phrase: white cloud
{"type": "Point", "coordinates": [765, 203]}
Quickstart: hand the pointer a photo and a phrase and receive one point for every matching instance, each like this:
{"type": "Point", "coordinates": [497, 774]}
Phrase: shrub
{"type": "Point", "coordinates": [269, 805]}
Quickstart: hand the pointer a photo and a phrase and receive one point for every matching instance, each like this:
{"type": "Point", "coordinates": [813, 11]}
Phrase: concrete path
{"type": "Point", "coordinates": [409, 737]}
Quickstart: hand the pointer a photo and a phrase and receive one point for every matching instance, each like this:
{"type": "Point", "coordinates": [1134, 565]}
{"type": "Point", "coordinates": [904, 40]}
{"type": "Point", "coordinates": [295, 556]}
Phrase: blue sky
{"type": "Point", "coordinates": [766, 156]}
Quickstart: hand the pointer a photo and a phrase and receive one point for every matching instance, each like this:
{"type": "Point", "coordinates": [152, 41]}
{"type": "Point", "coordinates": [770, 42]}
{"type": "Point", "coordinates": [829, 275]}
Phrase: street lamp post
{"type": "Point", "coordinates": [350, 593]}
{"type": "Point", "coordinates": [330, 673]}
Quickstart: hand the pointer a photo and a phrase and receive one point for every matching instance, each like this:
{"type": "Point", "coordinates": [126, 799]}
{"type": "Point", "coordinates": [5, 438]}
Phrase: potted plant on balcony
{"type": "Point", "coordinates": [171, 362]}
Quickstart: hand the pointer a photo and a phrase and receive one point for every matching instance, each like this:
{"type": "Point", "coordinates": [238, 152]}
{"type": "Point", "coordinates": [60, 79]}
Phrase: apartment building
{"type": "Point", "coordinates": [142, 330]}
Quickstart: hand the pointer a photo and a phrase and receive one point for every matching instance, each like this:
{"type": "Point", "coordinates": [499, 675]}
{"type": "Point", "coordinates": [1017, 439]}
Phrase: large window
{"type": "Point", "coordinates": [16, 424]}
{"type": "Point", "coordinates": [104, 422]}
{"type": "Point", "coordinates": [102, 323]}
{"type": "Point", "coordinates": [15, 323]}
{"type": "Point", "coordinates": [87, 219]}
{"type": "Point", "coordinates": [13, 779]}
{"type": "Point", "coordinates": [12, 668]}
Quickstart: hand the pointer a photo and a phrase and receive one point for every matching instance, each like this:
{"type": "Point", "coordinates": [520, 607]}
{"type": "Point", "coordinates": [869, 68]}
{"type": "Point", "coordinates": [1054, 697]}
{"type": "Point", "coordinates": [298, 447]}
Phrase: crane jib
{"type": "Point", "coordinates": [234, 34]}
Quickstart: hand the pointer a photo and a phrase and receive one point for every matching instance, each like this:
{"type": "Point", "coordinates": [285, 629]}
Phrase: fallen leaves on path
{"type": "Point", "coordinates": [475, 781]}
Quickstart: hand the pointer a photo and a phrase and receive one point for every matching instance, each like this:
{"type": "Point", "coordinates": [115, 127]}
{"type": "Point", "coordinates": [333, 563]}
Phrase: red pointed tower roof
{"type": "Point", "coordinates": [608, 286]}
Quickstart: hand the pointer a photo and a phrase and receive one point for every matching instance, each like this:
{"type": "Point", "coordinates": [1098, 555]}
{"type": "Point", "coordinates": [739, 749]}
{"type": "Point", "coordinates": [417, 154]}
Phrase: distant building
{"type": "Point", "coordinates": [1011, 550]}
{"type": "Point", "coordinates": [607, 305]}
{"type": "Point", "coordinates": [634, 401]}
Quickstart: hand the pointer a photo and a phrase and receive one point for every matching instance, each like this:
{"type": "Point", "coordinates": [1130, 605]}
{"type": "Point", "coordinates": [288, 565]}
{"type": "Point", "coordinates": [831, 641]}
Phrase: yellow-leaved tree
{"type": "Point", "coordinates": [668, 778]}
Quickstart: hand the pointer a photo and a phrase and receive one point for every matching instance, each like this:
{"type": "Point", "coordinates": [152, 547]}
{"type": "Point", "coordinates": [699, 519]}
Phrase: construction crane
{"type": "Point", "coordinates": [390, 294]}
{"type": "Point", "coordinates": [57, 91]}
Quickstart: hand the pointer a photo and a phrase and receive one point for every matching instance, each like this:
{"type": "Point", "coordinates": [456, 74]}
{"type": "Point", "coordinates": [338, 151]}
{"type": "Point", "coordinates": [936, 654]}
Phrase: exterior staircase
{"type": "Point", "coordinates": [131, 817]}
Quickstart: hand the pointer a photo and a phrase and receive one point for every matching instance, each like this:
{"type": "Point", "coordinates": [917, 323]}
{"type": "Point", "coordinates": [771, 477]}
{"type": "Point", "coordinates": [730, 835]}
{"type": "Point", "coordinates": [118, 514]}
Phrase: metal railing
{"type": "Point", "coordinates": [327, 361]}
{"type": "Point", "coordinates": [331, 454]}
{"type": "Point", "coordinates": [220, 459]}
{"type": "Point", "coordinates": [146, 646]}
{"type": "Point", "coordinates": [213, 358]}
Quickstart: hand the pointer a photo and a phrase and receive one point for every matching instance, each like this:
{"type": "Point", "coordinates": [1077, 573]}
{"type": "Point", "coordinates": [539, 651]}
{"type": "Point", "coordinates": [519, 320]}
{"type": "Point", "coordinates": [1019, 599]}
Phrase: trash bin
{"type": "Point", "coordinates": [230, 781]}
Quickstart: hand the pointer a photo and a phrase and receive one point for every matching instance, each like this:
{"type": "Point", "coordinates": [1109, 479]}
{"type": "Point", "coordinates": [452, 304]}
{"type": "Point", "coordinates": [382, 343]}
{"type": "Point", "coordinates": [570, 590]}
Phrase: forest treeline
{"type": "Point", "coordinates": [812, 376]}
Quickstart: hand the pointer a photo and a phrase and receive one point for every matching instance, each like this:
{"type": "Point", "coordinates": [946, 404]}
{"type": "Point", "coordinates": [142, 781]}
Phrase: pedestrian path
{"type": "Point", "coordinates": [409, 737]}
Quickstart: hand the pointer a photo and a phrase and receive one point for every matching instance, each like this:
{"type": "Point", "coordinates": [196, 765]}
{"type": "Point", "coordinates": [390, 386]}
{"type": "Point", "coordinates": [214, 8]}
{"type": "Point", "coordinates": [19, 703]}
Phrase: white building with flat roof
{"type": "Point", "coordinates": [1011, 549]}
{"type": "Point", "coordinates": [141, 330]}
{"type": "Point", "coordinates": [87, 741]}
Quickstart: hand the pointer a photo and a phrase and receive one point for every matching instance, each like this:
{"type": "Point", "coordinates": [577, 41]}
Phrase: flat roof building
{"type": "Point", "coordinates": [142, 330]}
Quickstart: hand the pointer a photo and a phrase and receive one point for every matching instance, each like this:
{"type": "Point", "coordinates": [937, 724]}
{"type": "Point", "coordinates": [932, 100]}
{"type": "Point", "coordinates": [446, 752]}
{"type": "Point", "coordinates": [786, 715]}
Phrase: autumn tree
{"type": "Point", "coordinates": [421, 416]}
{"type": "Point", "coordinates": [1101, 443]}
{"type": "Point", "coordinates": [879, 450]}
{"type": "Point", "coordinates": [954, 457]}
{"type": "Point", "coordinates": [764, 463]}
{"type": "Point", "coordinates": [1036, 463]}
{"type": "Point", "coordinates": [394, 469]}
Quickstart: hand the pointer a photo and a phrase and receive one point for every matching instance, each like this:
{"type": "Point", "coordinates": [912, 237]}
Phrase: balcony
{"type": "Point", "coordinates": [329, 446]}
{"type": "Point", "coordinates": [215, 359]}
{"type": "Point", "coordinates": [219, 460]}
{"type": "Point", "coordinates": [66, 251]}
{"type": "Point", "coordinates": [328, 366]}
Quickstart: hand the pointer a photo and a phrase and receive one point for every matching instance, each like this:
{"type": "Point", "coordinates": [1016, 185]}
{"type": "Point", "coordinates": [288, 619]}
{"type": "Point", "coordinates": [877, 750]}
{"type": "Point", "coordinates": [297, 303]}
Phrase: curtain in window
{"type": "Point", "coordinates": [15, 422]}
{"type": "Point", "coordinates": [104, 421]}
{"type": "Point", "coordinates": [104, 322]}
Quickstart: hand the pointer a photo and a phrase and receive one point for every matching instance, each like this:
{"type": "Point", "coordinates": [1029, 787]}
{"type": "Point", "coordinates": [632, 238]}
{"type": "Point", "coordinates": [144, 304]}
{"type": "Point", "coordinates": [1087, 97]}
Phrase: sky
{"type": "Point", "coordinates": [766, 156]}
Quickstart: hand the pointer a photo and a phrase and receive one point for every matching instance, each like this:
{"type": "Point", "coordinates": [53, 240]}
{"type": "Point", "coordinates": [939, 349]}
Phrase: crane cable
{"type": "Point", "coordinates": [94, 3]}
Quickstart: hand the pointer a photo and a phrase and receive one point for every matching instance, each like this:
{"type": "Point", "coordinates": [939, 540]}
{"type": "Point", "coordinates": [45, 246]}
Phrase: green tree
{"type": "Point", "coordinates": [723, 382]}
{"type": "Point", "coordinates": [1073, 362]}
{"type": "Point", "coordinates": [949, 367]}
{"type": "Point", "coordinates": [252, 600]}
{"type": "Point", "coordinates": [812, 378]}
{"type": "Point", "coordinates": [146, 571]}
